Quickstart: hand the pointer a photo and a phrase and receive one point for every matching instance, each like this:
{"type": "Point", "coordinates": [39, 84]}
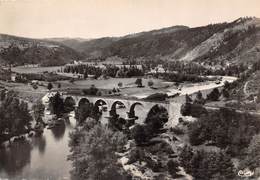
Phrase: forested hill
{"type": "Point", "coordinates": [19, 50]}
{"type": "Point", "coordinates": [214, 44]}
{"type": "Point", "coordinates": [237, 41]}
{"type": "Point", "coordinates": [100, 47]}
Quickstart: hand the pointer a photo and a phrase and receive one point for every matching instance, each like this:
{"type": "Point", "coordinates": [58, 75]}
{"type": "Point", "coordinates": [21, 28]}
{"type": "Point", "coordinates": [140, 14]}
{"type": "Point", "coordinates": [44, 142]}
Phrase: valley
{"type": "Point", "coordinates": [173, 103]}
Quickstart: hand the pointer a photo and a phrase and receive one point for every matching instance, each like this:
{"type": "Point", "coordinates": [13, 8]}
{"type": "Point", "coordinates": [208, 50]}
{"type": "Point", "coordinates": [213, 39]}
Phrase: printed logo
{"type": "Point", "coordinates": [245, 173]}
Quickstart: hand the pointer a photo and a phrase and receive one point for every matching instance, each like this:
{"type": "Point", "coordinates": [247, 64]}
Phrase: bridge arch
{"type": "Point", "coordinates": [132, 110]}
{"type": "Point", "coordinates": [112, 111]}
{"type": "Point", "coordinates": [100, 102]}
{"type": "Point", "coordinates": [69, 104]}
{"type": "Point", "coordinates": [83, 101]}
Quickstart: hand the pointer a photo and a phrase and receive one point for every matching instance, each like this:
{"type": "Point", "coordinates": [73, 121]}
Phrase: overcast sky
{"type": "Point", "coordinates": [98, 18]}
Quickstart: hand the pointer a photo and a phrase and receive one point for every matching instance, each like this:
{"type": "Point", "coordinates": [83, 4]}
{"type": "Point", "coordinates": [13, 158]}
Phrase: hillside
{"type": "Point", "coordinates": [235, 42]}
{"type": "Point", "coordinates": [215, 44]}
{"type": "Point", "coordinates": [18, 50]}
{"type": "Point", "coordinates": [99, 47]}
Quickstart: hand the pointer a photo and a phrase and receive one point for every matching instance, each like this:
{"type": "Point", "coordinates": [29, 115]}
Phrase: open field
{"type": "Point", "coordinates": [26, 91]}
{"type": "Point", "coordinates": [23, 69]}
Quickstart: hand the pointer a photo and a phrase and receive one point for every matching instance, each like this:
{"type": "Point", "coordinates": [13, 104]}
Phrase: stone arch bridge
{"type": "Point", "coordinates": [128, 108]}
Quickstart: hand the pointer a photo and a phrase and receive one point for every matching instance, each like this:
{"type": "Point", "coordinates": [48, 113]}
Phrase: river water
{"type": "Point", "coordinates": [44, 157]}
{"type": "Point", "coordinates": [39, 158]}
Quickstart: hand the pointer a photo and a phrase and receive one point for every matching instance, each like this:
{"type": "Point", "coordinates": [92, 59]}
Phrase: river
{"type": "Point", "coordinates": [44, 157]}
{"type": "Point", "coordinates": [39, 158]}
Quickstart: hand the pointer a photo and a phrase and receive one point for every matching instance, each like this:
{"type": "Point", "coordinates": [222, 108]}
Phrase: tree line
{"type": "Point", "coordinates": [109, 71]}
{"type": "Point", "coordinates": [15, 118]}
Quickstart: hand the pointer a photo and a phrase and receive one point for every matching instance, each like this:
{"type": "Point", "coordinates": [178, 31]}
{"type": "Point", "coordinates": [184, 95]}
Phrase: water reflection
{"type": "Point", "coordinates": [38, 158]}
{"type": "Point", "coordinates": [40, 143]}
{"type": "Point", "coordinates": [58, 131]}
{"type": "Point", "coordinates": [15, 157]}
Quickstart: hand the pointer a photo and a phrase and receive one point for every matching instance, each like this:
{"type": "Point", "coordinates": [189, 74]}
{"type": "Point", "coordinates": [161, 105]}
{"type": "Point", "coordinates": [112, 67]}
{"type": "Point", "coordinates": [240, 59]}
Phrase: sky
{"type": "Point", "coordinates": [100, 18]}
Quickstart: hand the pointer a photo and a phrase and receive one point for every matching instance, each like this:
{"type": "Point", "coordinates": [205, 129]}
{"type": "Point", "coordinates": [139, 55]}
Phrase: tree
{"type": "Point", "coordinates": [138, 82]}
{"type": "Point", "coordinates": [214, 95]}
{"type": "Point", "coordinates": [56, 104]}
{"type": "Point", "coordinates": [188, 99]}
{"type": "Point", "coordinates": [114, 90]}
{"type": "Point", "coordinates": [173, 168]}
{"type": "Point", "coordinates": [199, 98]}
{"type": "Point", "coordinates": [225, 93]}
{"type": "Point", "coordinates": [157, 117]}
{"type": "Point", "coordinates": [141, 133]}
{"type": "Point", "coordinates": [185, 157]}
{"type": "Point", "coordinates": [201, 164]}
{"type": "Point", "coordinates": [38, 110]}
{"type": "Point", "coordinates": [95, 155]}
{"type": "Point", "coordinates": [69, 105]}
{"type": "Point", "coordinates": [227, 85]}
{"type": "Point", "coordinates": [86, 110]}
{"type": "Point", "coordinates": [49, 86]}
{"type": "Point", "coordinates": [15, 118]}
{"type": "Point", "coordinates": [93, 90]}
{"type": "Point", "coordinates": [252, 160]}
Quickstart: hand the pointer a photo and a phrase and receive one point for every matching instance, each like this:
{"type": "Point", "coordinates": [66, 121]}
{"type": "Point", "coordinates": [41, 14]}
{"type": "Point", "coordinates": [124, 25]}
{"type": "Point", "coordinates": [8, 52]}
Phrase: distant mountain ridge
{"type": "Point", "coordinates": [234, 42]}
{"type": "Point", "coordinates": [215, 44]}
{"type": "Point", "coordinates": [20, 50]}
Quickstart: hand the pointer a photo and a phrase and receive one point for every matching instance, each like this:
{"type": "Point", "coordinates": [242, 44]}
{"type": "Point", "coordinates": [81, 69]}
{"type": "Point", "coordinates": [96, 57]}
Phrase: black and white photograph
{"type": "Point", "coordinates": [129, 90]}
